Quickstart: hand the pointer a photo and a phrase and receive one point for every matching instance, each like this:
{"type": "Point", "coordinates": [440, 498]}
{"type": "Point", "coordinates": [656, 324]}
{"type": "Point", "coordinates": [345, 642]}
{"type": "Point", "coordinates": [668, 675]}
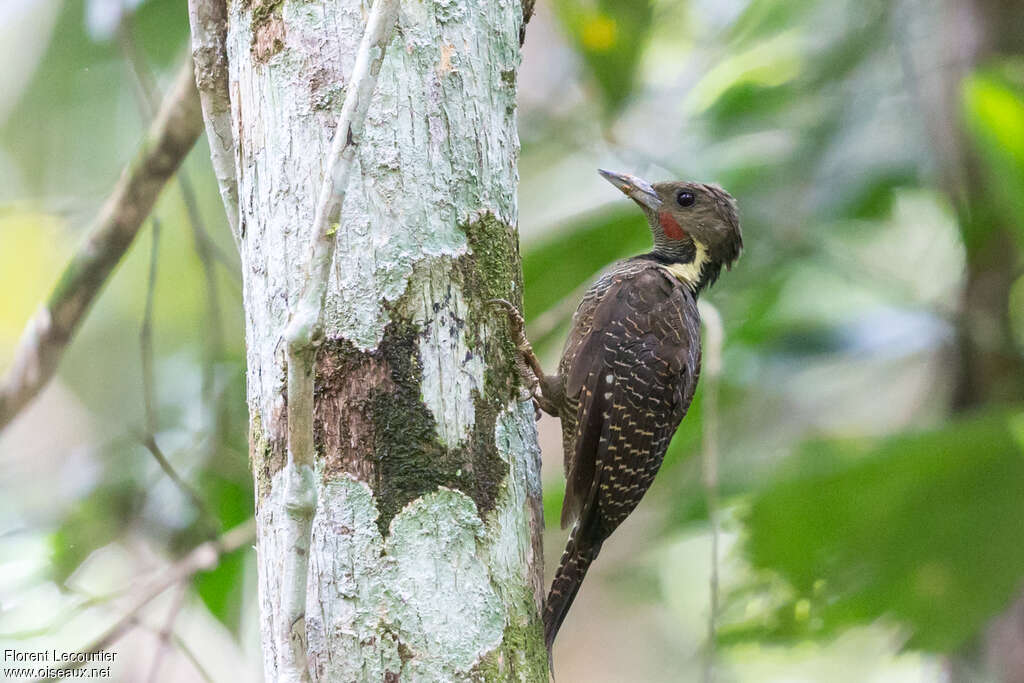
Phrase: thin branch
{"type": "Point", "coordinates": [149, 389]}
{"type": "Point", "coordinates": [183, 648]}
{"type": "Point", "coordinates": [209, 21]}
{"type": "Point", "coordinates": [213, 339]}
{"type": "Point", "coordinates": [191, 656]}
{"type": "Point", "coordinates": [47, 334]}
{"type": "Point", "coordinates": [304, 330]}
{"type": "Point", "coordinates": [202, 558]}
{"type": "Point", "coordinates": [166, 633]}
{"type": "Point", "coordinates": [213, 345]}
{"type": "Point", "coordinates": [146, 336]}
{"type": "Point", "coordinates": [209, 521]}
{"type": "Point", "coordinates": [714, 339]}
{"type": "Point", "coordinates": [335, 183]}
{"type": "Point", "coordinates": [146, 100]}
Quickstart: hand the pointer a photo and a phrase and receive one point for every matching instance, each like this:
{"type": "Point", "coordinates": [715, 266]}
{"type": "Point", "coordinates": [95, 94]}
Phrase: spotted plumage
{"type": "Point", "coordinates": [630, 367]}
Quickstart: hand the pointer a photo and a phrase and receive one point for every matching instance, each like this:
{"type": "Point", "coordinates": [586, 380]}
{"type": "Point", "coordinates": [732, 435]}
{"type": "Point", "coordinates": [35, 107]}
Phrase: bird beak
{"type": "Point", "coordinates": [637, 189]}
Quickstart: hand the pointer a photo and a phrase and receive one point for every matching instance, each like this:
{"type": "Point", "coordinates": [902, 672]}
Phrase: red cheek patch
{"type": "Point", "coordinates": [670, 226]}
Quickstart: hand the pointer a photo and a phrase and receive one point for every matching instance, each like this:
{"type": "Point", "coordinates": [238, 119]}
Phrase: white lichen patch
{"type": "Point", "coordinates": [430, 601]}
{"type": "Point", "coordinates": [445, 606]}
{"type": "Point", "coordinates": [427, 587]}
{"type": "Point", "coordinates": [438, 145]}
{"type": "Point", "coordinates": [515, 435]}
{"type": "Point", "coordinates": [515, 562]}
{"type": "Point", "coordinates": [451, 369]}
{"type": "Point", "coordinates": [347, 610]}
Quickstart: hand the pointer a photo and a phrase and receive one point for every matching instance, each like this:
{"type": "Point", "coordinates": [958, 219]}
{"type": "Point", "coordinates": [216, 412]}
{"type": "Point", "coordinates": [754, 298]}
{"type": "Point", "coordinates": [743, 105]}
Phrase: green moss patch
{"type": "Point", "coordinates": [267, 458]}
{"type": "Point", "coordinates": [370, 419]}
{"type": "Point", "coordinates": [409, 459]}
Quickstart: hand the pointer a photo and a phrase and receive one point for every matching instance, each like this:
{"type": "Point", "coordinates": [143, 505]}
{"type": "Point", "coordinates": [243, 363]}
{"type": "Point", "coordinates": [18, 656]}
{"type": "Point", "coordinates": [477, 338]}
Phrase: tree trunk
{"type": "Point", "coordinates": [990, 369]}
{"type": "Point", "coordinates": [424, 557]}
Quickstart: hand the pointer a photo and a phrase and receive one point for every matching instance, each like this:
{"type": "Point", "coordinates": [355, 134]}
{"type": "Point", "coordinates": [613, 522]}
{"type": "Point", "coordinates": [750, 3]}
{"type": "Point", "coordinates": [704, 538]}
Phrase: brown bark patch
{"type": "Point", "coordinates": [268, 38]}
{"type": "Point", "coordinates": [343, 424]}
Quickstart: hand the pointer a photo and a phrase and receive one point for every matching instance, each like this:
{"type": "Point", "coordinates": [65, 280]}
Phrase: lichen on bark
{"type": "Point", "coordinates": [443, 595]}
{"type": "Point", "coordinates": [268, 28]}
{"type": "Point", "coordinates": [265, 458]}
{"type": "Point", "coordinates": [372, 423]}
{"type": "Point", "coordinates": [424, 553]}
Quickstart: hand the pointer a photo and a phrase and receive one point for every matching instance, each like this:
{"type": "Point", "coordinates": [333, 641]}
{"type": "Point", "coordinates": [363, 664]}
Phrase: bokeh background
{"type": "Point", "coordinates": [871, 411]}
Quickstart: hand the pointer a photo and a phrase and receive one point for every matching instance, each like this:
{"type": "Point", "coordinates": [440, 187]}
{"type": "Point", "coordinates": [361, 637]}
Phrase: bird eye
{"type": "Point", "coordinates": [684, 198]}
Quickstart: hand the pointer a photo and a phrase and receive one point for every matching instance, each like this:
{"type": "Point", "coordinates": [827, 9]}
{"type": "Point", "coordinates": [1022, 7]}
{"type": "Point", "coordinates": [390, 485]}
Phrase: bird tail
{"type": "Point", "coordinates": [576, 559]}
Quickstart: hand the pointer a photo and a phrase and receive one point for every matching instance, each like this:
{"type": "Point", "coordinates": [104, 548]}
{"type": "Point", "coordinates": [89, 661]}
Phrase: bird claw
{"type": "Point", "coordinates": [530, 393]}
{"type": "Point", "coordinates": [516, 322]}
{"type": "Point", "coordinates": [529, 366]}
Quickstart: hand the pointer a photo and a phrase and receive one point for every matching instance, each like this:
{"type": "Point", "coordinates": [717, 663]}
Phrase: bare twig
{"type": "Point", "coordinates": [166, 633]}
{"type": "Point", "coordinates": [202, 558]}
{"type": "Point", "coordinates": [146, 335]}
{"type": "Point", "coordinates": [208, 520]}
{"type": "Point", "coordinates": [304, 331]}
{"type": "Point", "coordinates": [714, 338]}
{"type": "Point", "coordinates": [209, 21]}
{"type": "Point", "coordinates": [303, 327]}
{"type": "Point", "coordinates": [184, 649]}
{"type": "Point", "coordinates": [213, 339]}
{"type": "Point", "coordinates": [205, 248]}
{"type": "Point", "coordinates": [147, 103]}
{"type": "Point", "coordinates": [47, 334]}
{"type": "Point", "coordinates": [149, 389]}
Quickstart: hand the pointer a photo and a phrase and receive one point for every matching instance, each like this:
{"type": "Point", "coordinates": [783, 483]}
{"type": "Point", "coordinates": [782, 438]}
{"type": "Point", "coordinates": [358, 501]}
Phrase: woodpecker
{"type": "Point", "coordinates": [630, 367]}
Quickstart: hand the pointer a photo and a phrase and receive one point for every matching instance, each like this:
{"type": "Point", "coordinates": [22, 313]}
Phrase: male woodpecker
{"type": "Point", "coordinates": [630, 367]}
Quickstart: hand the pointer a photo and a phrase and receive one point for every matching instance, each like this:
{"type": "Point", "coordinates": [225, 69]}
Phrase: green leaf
{"type": "Point", "coordinates": [557, 267]}
{"type": "Point", "coordinates": [554, 492]}
{"type": "Point", "coordinates": [96, 520]}
{"type": "Point", "coordinates": [771, 63]}
{"type": "Point", "coordinates": [610, 36]}
{"type": "Point", "coordinates": [994, 113]}
{"type": "Point", "coordinates": [765, 17]}
{"type": "Point", "coordinates": [221, 588]}
{"type": "Point", "coordinates": [924, 529]}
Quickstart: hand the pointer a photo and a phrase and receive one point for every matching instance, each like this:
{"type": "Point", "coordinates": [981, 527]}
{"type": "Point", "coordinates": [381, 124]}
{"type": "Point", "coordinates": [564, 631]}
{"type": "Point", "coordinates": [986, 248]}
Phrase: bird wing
{"type": "Point", "coordinates": [634, 372]}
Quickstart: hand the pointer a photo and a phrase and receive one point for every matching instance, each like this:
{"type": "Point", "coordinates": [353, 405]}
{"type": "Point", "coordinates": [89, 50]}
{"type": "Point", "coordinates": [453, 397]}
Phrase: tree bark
{"type": "Point", "coordinates": [424, 557]}
{"type": "Point", "coordinates": [989, 367]}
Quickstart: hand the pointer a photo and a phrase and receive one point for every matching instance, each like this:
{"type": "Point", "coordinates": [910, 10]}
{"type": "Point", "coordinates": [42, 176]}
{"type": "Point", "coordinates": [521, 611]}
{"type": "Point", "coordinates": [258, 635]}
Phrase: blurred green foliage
{"type": "Point", "coordinates": [610, 36]}
{"type": "Point", "coordinates": [921, 528]}
{"type": "Point", "coordinates": [994, 112]}
{"type": "Point", "coordinates": [854, 506]}
{"type": "Point", "coordinates": [85, 87]}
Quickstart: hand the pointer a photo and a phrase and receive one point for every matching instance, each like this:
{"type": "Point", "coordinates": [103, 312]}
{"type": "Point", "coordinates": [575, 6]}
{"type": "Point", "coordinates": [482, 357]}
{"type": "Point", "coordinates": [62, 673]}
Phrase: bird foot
{"type": "Point", "coordinates": [529, 365]}
{"type": "Point", "coordinates": [516, 323]}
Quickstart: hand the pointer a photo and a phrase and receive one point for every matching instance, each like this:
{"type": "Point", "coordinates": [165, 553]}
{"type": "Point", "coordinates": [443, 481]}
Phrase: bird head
{"type": "Point", "coordinates": [696, 226]}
